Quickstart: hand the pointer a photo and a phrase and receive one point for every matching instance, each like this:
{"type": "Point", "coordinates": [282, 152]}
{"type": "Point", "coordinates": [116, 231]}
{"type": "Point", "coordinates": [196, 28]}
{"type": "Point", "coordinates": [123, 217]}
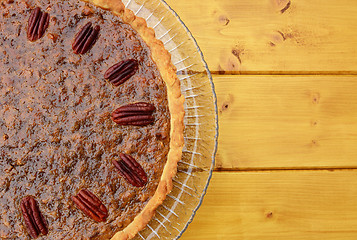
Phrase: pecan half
{"type": "Point", "coordinates": [37, 24]}
{"type": "Point", "coordinates": [91, 205]}
{"type": "Point", "coordinates": [131, 170]}
{"type": "Point", "coordinates": [85, 38]}
{"type": "Point", "coordinates": [34, 221]}
{"type": "Point", "coordinates": [122, 71]}
{"type": "Point", "coordinates": [137, 114]}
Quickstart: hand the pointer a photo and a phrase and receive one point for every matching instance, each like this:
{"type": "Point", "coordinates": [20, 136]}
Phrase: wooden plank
{"type": "Point", "coordinates": [294, 205]}
{"type": "Point", "coordinates": [255, 36]}
{"type": "Point", "coordinates": [287, 121]}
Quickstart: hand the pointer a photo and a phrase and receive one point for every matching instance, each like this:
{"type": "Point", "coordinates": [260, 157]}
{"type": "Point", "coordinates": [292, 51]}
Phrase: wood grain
{"type": "Point", "coordinates": [277, 205]}
{"type": "Point", "coordinates": [287, 122]}
{"type": "Point", "coordinates": [271, 36]}
{"type": "Point", "coordinates": [297, 111]}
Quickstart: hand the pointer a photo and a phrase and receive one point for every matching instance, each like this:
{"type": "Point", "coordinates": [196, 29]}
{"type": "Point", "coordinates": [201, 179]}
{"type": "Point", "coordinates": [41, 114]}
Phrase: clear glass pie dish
{"type": "Point", "coordinates": [201, 127]}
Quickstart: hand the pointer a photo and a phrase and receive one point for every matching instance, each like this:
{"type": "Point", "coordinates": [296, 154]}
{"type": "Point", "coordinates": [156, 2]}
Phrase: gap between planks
{"type": "Point", "coordinates": [285, 73]}
{"type": "Point", "coordinates": [329, 169]}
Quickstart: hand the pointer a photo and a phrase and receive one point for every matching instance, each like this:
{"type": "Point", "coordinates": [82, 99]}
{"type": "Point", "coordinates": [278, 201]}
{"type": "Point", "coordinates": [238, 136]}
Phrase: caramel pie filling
{"type": "Point", "coordinates": [56, 132]}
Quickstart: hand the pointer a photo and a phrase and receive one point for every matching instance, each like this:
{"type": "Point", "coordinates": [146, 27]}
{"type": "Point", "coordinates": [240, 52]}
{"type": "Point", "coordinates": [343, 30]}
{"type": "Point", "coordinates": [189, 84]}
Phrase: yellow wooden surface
{"type": "Point", "coordinates": [254, 36]}
{"type": "Point", "coordinates": [287, 121]}
{"type": "Point", "coordinates": [280, 205]}
{"type": "Point", "coordinates": [286, 81]}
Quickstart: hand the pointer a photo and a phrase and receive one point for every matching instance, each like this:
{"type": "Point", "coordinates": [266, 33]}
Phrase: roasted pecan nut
{"type": "Point", "coordinates": [137, 114]}
{"type": "Point", "coordinates": [91, 205]}
{"type": "Point", "coordinates": [122, 71]}
{"type": "Point", "coordinates": [37, 24]}
{"type": "Point", "coordinates": [131, 170]}
{"type": "Point", "coordinates": [85, 38]}
{"type": "Point", "coordinates": [34, 221]}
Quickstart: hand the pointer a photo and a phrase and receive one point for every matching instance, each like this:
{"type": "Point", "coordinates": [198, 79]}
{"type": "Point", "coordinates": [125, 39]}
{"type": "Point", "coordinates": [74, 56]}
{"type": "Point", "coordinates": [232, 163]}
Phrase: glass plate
{"type": "Point", "coordinates": [201, 129]}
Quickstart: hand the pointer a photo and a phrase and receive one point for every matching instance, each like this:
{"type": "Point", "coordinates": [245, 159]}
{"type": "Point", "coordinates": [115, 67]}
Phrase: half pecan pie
{"type": "Point", "coordinates": [91, 120]}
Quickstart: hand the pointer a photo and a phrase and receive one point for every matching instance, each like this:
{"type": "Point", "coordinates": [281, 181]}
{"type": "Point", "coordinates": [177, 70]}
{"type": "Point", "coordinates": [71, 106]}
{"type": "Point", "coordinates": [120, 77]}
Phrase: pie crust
{"type": "Point", "coordinates": [162, 58]}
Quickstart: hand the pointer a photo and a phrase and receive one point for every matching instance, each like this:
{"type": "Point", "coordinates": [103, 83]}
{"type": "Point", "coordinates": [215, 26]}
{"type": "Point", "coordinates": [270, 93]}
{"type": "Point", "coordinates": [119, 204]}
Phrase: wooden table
{"type": "Point", "coordinates": [286, 79]}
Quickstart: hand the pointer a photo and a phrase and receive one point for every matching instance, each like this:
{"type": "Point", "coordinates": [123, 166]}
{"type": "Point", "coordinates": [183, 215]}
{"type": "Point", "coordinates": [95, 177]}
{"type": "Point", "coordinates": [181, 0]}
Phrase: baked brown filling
{"type": "Point", "coordinates": [57, 113]}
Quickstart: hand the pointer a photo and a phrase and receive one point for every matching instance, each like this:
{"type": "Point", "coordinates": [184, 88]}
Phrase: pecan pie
{"type": "Point", "coordinates": [91, 120]}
